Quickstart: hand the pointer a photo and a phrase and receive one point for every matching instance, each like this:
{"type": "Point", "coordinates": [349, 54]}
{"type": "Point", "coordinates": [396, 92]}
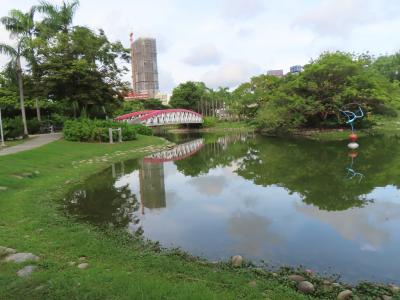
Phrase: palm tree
{"type": "Point", "coordinates": [58, 18]}
{"type": "Point", "coordinates": [22, 25]}
{"type": "Point", "coordinates": [15, 54]}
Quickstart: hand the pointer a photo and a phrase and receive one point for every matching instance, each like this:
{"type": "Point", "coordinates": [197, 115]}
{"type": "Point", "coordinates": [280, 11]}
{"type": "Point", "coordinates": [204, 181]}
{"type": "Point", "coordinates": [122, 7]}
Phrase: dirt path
{"type": "Point", "coordinates": [36, 142]}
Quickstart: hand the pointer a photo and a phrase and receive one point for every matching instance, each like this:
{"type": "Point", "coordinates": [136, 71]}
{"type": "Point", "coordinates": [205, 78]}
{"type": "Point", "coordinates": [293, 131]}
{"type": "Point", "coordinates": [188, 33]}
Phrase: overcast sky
{"type": "Point", "coordinates": [225, 42]}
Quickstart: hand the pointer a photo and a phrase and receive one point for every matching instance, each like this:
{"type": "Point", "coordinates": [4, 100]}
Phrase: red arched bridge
{"type": "Point", "coordinates": [162, 117]}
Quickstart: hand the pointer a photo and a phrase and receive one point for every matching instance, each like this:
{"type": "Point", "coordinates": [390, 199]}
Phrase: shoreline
{"type": "Point", "coordinates": [43, 213]}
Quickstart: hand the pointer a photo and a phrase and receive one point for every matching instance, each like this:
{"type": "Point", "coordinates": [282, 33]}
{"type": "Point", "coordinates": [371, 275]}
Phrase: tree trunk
{"type": "Point", "coordinates": [21, 96]}
{"type": "Point", "coordinates": [39, 117]}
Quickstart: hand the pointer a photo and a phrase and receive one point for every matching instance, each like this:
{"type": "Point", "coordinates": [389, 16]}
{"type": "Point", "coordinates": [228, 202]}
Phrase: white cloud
{"type": "Point", "coordinates": [242, 9]}
{"type": "Point", "coordinates": [340, 17]}
{"type": "Point", "coordinates": [203, 55]}
{"type": "Point", "coordinates": [230, 74]}
{"type": "Point", "coordinates": [166, 81]}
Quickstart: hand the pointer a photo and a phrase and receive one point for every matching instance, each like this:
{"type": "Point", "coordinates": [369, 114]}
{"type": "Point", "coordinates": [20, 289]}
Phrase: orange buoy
{"type": "Point", "coordinates": [353, 137]}
{"type": "Point", "coordinates": [353, 154]}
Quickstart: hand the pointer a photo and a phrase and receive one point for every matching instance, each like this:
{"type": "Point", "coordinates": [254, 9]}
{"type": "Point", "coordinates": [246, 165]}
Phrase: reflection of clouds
{"type": "Point", "coordinates": [251, 232]}
{"type": "Point", "coordinates": [172, 198]}
{"type": "Point", "coordinates": [221, 211]}
{"type": "Point", "coordinates": [369, 248]}
{"type": "Point", "coordinates": [250, 201]}
{"type": "Point", "coordinates": [210, 185]}
{"type": "Point", "coordinates": [363, 224]}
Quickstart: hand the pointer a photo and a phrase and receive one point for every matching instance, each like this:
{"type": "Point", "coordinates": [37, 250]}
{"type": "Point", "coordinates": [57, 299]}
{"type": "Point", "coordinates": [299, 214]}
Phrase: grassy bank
{"type": "Point", "coordinates": [120, 267]}
{"type": "Point", "coordinates": [386, 126]}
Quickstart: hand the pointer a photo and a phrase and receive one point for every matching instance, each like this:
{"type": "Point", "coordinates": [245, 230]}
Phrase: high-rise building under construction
{"type": "Point", "coordinates": [144, 67]}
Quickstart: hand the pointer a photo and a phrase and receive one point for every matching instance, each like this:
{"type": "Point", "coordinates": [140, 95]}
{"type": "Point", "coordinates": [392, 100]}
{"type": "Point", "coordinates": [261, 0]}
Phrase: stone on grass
{"type": "Point", "coordinates": [295, 277]}
{"type": "Point", "coordinates": [305, 287]}
{"type": "Point", "coordinates": [3, 188]}
{"type": "Point", "coordinates": [335, 284]}
{"type": "Point", "coordinates": [21, 257]}
{"type": "Point", "coordinates": [237, 261]}
{"type": "Point", "coordinates": [344, 295]}
{"type": "Point", "coordinates": [83, 266]}
{"type": "Point", "coordinates": [386, 297]}
{"type": "Point", "coordinates": [6, 251]}
{"type": "Point", "coordinates": [309, 272]}
{"type": "Point", "coordinates": [394, 288]}
{"type": "Point", "coordinates": [253, 283]}
{"type": "Point", "coordinates": [82, 258]}
{"type": "Point", "coordinates": [26, 271]}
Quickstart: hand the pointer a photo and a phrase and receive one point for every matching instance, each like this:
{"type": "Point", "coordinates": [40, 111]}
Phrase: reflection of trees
{"type": "Point", "coordinates": [100, 202]}
{"type": "Point", "coordinates": [317, 171]}
{"type": "Point", "coordinates": [218, 151]}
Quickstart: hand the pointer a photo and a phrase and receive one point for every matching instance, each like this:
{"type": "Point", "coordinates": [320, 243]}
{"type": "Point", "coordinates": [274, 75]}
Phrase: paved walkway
{"type": "Point", "coordinates": [33, 143]}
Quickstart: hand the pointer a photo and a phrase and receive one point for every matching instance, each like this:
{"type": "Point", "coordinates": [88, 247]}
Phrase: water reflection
{"type": "Point", "coordinates": [283, 201]}
{"type": "Point", "coordinates": [113, 208]}
{"type": "Point", "coordinates": [351, 173]}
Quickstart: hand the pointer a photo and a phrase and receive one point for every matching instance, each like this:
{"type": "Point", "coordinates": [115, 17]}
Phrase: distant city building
{"type": "Point", "coordinates": [164, 98]}
{"type": "Point", "coordinates": [131, 96]}
{"type": "Point", "coordinates": [144, 68]}
{"type": "Point", "coordinates": [296, 69]}
{"type": "Point", "coordinates": [277, 73]}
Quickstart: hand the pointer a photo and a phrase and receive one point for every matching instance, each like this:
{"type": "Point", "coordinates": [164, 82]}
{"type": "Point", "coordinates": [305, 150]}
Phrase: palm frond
{"type": "Point", "coordinates": [8, 50]}
{"type": "Point", "coordinates": [47, 8]}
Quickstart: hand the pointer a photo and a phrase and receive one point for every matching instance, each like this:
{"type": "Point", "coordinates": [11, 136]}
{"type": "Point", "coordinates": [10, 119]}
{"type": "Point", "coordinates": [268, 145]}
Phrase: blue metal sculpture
{"type": "Point", "coordinates": [352, 116]}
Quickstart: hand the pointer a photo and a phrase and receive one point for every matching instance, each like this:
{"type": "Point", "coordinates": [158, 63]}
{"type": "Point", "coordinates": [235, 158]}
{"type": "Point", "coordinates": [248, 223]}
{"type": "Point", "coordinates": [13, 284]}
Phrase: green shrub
{"type": "Point", "coordinates": [13, 128]}
{"type": "Point", "coordinates": [86, 130]}
{"type": "Point", "coordinates": [210, 122]}
{"type": "Point", "coordinates": [33, 126]}
{"type": "Point", "coordinates": [143, 130]}
{"type": "Point", "coordinates": [57, 120]}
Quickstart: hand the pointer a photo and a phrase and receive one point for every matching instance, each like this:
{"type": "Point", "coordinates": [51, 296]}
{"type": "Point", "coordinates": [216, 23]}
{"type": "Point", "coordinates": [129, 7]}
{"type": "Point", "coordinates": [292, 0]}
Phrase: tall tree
{"type": "Point", "coordinates": [57, 18]}
{"type": "Point", "coordinates": [189, 94]}
{"type": "Point", "coordinates": [21, 24]}
{"type": "Point", "coordinates": [15, 54]}
{"type": "Point", "coordinates": [85, 76]}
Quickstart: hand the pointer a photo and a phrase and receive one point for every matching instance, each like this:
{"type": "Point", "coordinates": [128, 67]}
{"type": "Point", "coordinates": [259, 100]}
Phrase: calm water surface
{"type": "Point", "coordinates": [285, 202]}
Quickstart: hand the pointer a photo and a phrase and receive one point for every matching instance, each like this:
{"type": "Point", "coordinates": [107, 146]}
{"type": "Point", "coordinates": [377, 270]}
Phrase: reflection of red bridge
{"type": "Point", "coordinates": [177, 153]}
{"type": "Point", "coordinates": [162, 117]}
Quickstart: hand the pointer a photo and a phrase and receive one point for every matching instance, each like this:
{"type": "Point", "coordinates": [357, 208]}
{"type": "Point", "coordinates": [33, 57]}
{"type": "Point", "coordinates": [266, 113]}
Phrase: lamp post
{"type": "Point", "coordinates": [1, 131]}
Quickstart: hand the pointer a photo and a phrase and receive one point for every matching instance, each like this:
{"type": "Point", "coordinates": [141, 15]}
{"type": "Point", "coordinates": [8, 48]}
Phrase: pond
{"type": "Point", "coordinates": [279, 201]}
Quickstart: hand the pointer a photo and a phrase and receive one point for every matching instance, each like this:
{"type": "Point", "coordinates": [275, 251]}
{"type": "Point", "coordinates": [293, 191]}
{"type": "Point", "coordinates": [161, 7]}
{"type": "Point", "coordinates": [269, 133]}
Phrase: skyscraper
{"type": "Point", "coordinates": [144, 67]}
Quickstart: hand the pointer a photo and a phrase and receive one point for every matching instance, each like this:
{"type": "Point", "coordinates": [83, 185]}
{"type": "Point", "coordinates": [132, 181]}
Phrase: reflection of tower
{"type": "Point", "coordinates": [152, 188]}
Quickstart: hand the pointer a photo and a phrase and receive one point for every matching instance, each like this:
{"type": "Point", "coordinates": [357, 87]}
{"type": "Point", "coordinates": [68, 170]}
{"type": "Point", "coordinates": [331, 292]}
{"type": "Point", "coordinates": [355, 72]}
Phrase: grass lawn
{"type": "Point", "coordinates": [120, 267]}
